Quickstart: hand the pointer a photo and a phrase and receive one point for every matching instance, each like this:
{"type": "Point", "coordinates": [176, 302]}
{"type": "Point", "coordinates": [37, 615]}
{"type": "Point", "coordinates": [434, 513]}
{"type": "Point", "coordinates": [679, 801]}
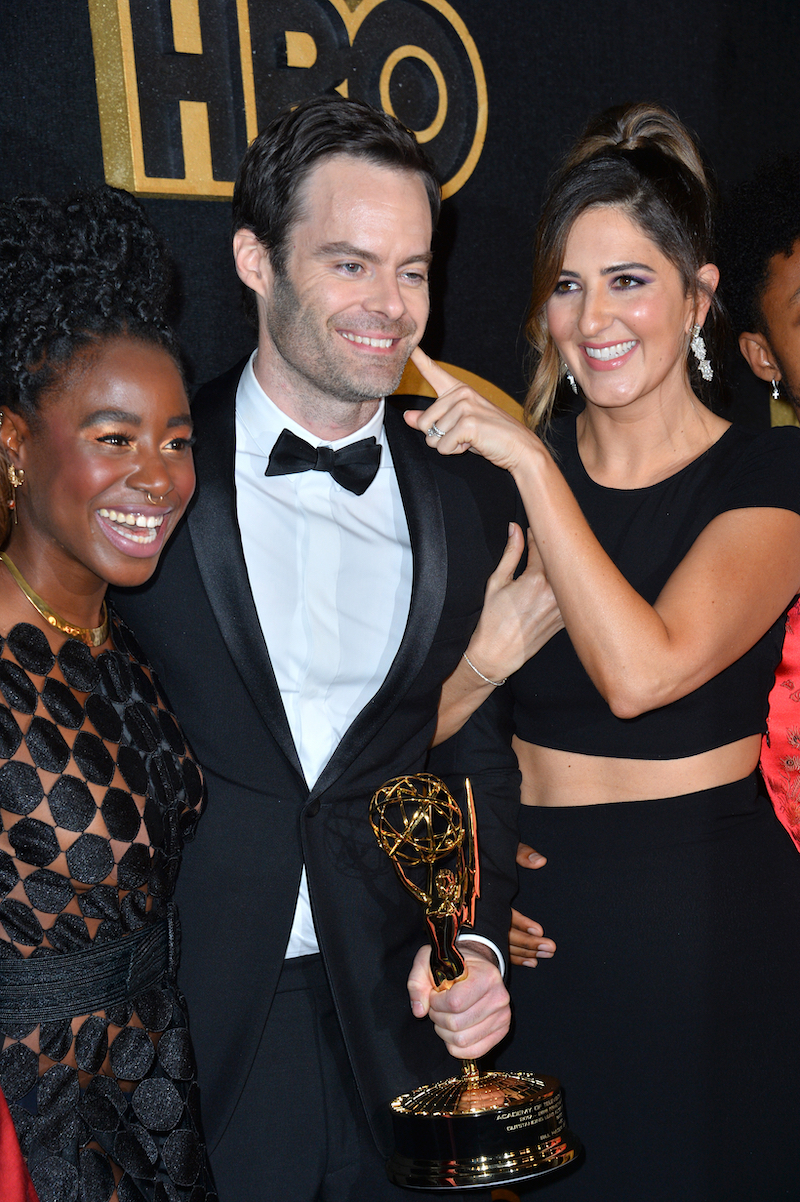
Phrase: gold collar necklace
{"type": "Point", "coordinates": [92, 636]}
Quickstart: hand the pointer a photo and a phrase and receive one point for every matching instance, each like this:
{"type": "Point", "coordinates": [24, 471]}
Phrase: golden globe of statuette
{"type": "Point", "coordinates": [480, 1128]}
{"type": "Point", "coordinates": [418, 823]}
{"type": "Point", "coordinates": [416, 819]}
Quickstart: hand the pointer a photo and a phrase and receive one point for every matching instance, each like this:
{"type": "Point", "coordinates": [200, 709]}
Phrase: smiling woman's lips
{"type": "Point", "coordinates": [143, 537]}
{"type": "Point", "coordinates": [613, 350]}
{"type": "Point", "coordinates": [610, 355]}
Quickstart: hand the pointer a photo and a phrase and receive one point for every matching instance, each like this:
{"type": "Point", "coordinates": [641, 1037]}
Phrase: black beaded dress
{"type": "Point", "coordinates": [97, 796]}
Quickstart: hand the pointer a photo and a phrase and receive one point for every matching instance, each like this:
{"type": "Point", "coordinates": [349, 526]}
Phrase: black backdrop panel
{"type": "Point", "coordinates": [730, 69]}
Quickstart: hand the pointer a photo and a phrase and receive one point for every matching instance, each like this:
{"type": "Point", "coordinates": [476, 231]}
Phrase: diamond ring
{"type": "Point", "coordinates": [435, 432]}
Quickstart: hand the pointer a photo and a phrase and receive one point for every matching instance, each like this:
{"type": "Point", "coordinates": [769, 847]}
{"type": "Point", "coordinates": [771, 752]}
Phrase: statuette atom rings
{"type": "Point", "coordinates": [418, 823]}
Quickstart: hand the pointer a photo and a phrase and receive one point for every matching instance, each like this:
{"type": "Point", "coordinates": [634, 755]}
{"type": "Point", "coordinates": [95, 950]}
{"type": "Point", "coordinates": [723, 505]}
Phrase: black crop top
{"type": "Point", "coordinates": [647, 532]}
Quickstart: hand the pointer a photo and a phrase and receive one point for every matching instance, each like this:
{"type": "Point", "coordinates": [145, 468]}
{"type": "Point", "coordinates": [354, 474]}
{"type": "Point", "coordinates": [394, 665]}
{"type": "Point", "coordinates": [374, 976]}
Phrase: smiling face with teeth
{"type": "Point", "coordinates": [336, 329]}
{"type": "Point", "coordinates": [620, 315]}
{"type": "Point", "coordinates": [114, 428]}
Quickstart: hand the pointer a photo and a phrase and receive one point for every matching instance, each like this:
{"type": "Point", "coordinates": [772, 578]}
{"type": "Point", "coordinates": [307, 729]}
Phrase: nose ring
{"type": "Point", "coordinates": [155, 500]}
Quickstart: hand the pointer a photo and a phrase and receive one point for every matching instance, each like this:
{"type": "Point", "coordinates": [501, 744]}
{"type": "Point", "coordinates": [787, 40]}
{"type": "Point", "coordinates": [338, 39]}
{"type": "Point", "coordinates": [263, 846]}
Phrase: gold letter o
{"type": "Point", "coordinates": [422, 135]}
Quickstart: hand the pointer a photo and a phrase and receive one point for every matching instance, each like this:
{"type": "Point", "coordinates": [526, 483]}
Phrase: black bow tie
{"type": "Point", "coordinates": [354, 466]}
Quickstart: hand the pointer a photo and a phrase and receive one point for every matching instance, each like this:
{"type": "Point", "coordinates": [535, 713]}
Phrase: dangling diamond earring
{"type": "Point", "coordinates": [570, 379]}
{"type": "Point", "coordinates": [699, 350]}
{"type": "Point", "coordinates": [776, 392]}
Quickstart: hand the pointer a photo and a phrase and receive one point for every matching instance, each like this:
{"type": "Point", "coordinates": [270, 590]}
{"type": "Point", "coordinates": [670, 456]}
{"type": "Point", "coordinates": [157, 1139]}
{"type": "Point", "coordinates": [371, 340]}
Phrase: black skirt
{"type": "Point", "coordinates": [670, 1011]}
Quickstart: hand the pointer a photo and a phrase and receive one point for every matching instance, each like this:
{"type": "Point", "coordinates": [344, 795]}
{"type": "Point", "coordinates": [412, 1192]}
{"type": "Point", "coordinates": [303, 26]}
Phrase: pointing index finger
{"type": "Point", "coordinates": [440, 380]}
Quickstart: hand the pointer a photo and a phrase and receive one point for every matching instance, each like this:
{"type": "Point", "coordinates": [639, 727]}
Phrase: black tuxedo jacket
{"type": "Point", "coordinates": [197, 621]}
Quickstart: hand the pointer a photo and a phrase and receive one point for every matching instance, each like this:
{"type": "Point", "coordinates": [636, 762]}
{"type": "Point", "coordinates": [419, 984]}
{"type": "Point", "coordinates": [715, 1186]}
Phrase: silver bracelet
{"type": "Point", "coordinates": [496, 683]}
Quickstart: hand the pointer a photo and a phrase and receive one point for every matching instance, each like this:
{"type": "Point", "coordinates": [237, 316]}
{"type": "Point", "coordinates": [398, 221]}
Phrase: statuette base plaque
{"type": "Point", "coordinates": [479, 1130]}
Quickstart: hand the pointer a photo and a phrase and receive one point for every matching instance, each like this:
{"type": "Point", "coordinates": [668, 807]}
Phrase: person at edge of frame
{"type": "Point", "coordinates": [761, 285]}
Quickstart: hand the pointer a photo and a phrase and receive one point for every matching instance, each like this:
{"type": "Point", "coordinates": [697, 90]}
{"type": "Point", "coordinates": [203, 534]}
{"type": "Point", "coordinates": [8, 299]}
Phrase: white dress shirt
{"type": "Point", "coordinates": [331, 575]}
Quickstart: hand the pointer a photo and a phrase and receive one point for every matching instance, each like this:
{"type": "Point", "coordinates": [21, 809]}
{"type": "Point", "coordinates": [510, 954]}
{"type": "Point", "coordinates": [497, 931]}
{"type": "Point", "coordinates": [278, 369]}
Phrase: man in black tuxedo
{"type": "Point", "coordinates": [325, 584]}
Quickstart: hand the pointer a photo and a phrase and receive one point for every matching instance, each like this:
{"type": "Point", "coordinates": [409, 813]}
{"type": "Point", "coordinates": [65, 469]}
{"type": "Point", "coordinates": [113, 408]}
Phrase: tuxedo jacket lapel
{"type": "Point", "coordinates": [422, 503]}
{"type": "Point", "coordinates": [217, 543]}
{"type": "Point", "coordinates": [214, 531]}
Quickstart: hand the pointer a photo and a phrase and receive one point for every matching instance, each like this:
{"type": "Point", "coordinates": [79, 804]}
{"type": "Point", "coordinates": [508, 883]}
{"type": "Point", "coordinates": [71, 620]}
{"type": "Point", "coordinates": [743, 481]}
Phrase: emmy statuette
{"type": "Point", "coordinates": [481, 1128]}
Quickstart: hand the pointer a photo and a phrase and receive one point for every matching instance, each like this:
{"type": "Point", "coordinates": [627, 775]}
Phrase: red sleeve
{"type": "Point", "coordinates": [15, 1180]}
{"type": "Point", "coordinates": [780, 749]}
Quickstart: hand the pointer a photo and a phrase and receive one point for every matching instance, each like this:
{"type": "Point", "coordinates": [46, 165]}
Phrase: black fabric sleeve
{"type": "Point", "coordinates": [767, 474]}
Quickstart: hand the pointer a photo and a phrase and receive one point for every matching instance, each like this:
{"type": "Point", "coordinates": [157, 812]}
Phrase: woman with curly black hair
{"type": "Point", "coordinates": [97, 790]}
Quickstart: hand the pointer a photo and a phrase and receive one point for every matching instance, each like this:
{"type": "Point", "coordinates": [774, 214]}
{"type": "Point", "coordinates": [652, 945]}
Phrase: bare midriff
{"type": "Point", "coordinates": [564, 778]}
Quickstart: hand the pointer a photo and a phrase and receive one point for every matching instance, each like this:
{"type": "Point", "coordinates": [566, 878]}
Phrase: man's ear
{"type": "Point", "coordinates": [758, 353]}
{"type": "Point", "coordinates": [253, 265]}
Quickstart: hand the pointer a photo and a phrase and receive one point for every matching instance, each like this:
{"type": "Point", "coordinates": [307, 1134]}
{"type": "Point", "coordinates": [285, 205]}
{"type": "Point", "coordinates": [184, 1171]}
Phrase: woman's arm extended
{"type": "Point", "coordinates": [519, 616]}
{"type": "Point", "coordinates": [736, 580]}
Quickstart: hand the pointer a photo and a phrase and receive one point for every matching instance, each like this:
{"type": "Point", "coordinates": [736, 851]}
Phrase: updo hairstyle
{"type": "Point", "coordinates": [71, 274]}
{"type": "Point", "coordinates": [641, 159]}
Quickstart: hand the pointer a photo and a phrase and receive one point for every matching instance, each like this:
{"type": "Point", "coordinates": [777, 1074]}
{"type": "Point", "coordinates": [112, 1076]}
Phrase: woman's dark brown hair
{"type": "Point", "coordinates": [642, 159]}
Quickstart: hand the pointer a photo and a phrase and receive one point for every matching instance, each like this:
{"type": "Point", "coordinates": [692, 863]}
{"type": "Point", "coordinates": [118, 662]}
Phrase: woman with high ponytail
{"type": "Point", "coordinates": [664, 550]}
{"type": "Point", "coordinates": [642, 158]}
